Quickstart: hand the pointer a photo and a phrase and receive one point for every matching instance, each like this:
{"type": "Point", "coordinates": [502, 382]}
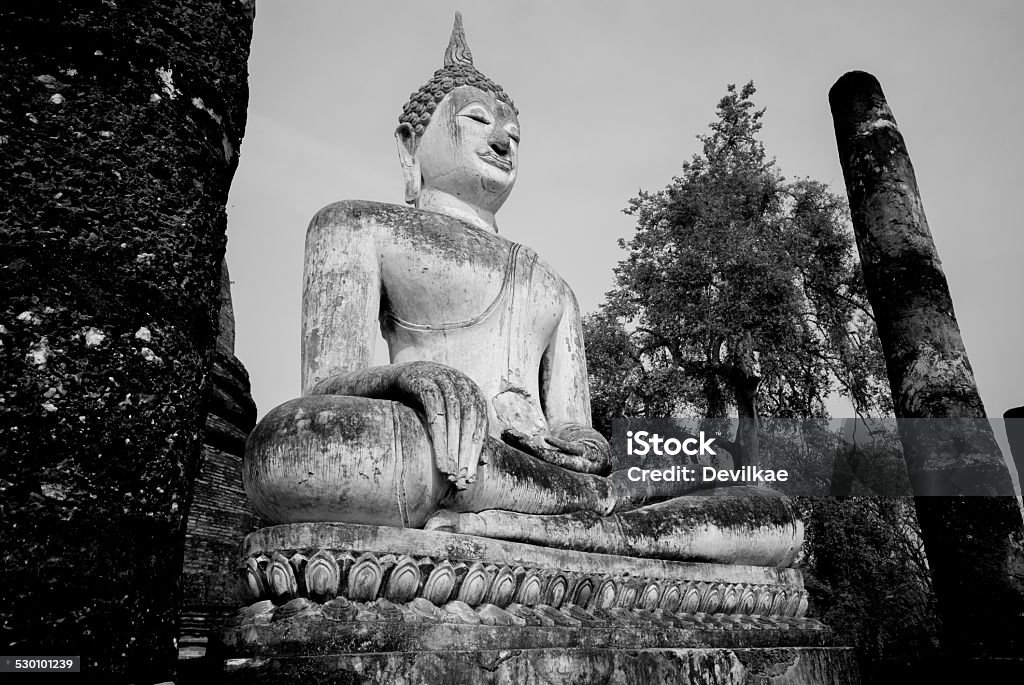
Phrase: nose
{"type": "Point", "coordinates": [499, 142]}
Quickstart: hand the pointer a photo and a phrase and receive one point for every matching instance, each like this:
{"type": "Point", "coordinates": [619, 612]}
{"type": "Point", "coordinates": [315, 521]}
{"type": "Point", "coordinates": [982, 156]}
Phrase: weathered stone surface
{"type": "Point", "coordinates": [975, 544]}
{"type": "Point", "coordinates": [330, 458]}
{"type": "Point", "coordinates": [220, 513]}
{"type": "Point", "coordinates": [732, 525]}
{"type": "Point", "coordinates": [375, 643]}
{"type": "Point", "coordinates": [440, 546]}
{"type": "Point", "coordinates": [361, 451]}
{"type": "Point", "coordinates": [299, 628]}
{"type": "Point", "coordinates": [574, 616]}
{"type": "Point", "coordinates": [766, 666]}
{"type": "Point", "coordinates": [469, 318]}
{"type": "Point", "coordinates": [112, 227]}
{"type": "Point", "coordinates": [471, 580]}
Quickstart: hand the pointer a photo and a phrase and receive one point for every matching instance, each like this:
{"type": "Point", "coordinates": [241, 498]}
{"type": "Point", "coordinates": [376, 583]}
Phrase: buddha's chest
{"type": "Point", "coordinates": [465, 280]}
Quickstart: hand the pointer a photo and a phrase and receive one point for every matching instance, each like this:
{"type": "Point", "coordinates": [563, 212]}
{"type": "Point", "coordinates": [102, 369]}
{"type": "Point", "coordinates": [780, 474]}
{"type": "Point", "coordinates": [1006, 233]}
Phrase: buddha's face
{"type": "Point", "coordinates": [470, 148]}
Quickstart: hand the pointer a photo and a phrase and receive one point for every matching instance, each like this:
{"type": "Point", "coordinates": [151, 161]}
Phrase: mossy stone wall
{"type": "Point", "coordinates": [120, 124]}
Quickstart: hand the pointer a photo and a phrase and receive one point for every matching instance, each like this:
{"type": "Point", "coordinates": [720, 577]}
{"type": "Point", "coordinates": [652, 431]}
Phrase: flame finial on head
{"type": "Point", "coordinates": [458, 70]}
{"type": "Point", "coordinates": [458, 50]}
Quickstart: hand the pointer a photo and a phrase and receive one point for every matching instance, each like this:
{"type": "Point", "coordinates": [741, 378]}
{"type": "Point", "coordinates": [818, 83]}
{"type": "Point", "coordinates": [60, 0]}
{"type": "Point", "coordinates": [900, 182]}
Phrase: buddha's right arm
{"type": "Point", "coordinates": [451, 404]}
{"type": "Point", "coordinates": [341, 292]}
{"type": "Point", "coordinates": [341, 298]}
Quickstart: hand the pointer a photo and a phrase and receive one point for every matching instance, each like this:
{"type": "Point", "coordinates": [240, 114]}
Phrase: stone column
{"type": "Point", "coordinates": [973, 543]}
{"type": "Point", "coordinates": [1014, 418]}
{"type": "Point", "coordinates": [121, 123]}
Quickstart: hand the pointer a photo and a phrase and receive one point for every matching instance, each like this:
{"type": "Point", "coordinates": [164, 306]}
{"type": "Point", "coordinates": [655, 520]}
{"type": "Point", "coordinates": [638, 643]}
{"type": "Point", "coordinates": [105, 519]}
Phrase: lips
{"type": "Point", "coordinates": [503, 163]}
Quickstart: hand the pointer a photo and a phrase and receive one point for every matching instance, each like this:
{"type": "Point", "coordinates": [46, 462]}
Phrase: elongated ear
{"type": "Point", "coordinates": [406, 139]}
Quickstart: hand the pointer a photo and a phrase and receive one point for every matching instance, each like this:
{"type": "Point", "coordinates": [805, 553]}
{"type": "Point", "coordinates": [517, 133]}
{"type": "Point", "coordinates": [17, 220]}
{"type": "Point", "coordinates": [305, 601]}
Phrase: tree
{"type": "Point", "coordinates": [869, 579]}
{"type": "Point", "coordinates": [740, 294]}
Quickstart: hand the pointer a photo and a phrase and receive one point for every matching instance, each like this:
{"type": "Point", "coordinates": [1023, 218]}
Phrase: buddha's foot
{"type": "Point", "coordinates": [752, 526]}
{"type": "Point", "coordinates": [446, 522]}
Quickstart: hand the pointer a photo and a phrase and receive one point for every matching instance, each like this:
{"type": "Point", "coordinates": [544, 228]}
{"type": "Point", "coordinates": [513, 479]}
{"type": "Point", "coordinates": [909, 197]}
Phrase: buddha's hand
{"type": "Point", "coordinates": [572, 446]}
{"type": "Point", "coordinates": [452, 404]}
{"type": "Point", "coordinates": [455, 411]}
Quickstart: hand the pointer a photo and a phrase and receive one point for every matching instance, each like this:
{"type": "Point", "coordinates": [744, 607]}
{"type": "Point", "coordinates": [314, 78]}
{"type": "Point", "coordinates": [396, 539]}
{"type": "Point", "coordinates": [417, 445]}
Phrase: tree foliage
{"type": "Point", "coordinates": [741, 296]}
{"type": "Point", "coordinates": [740, 293]}
{"type": "Point", "coordinates": [868, 578]}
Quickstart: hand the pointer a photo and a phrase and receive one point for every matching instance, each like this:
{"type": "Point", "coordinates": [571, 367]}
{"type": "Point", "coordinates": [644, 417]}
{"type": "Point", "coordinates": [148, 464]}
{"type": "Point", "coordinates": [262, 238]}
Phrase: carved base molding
{"type": "Point", "coordinates": [339, 603]}
{"type": "Point", "coordinates": [324, 562]}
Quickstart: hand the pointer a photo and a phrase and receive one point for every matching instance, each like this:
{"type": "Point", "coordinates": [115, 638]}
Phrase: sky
{"type": "Point", "coordinates": [611, 98]}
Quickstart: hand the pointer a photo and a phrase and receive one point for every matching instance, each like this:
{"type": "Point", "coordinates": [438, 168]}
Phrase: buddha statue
{"type": "Point", "coordinates": [480, 423]}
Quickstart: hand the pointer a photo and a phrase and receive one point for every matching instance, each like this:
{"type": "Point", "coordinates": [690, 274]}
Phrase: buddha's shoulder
{"type": "Point", "coordinates": [545, 267]}
{"type": "Point", "coordinates": [369, 214]}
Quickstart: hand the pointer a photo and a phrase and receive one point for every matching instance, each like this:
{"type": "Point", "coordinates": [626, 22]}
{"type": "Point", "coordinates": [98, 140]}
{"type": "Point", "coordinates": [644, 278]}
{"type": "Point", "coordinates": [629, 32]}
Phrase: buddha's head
{"type": "Point", "coordinates": [459, 134]}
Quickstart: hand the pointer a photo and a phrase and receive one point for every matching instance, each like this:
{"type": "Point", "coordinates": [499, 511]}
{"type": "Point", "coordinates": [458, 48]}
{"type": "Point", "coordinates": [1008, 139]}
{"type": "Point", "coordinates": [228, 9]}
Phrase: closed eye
{"type": "Point", "coordinates": [477, 113]}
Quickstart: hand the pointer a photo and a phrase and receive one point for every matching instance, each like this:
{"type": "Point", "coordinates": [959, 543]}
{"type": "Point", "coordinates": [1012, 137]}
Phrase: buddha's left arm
{"type": "Point", "coordinates": [565, 392]}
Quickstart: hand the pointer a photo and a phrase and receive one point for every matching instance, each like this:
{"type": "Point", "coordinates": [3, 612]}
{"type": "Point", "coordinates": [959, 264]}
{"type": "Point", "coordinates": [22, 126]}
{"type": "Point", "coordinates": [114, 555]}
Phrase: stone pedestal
{"type": "Point", "coordinates": [368, 604]}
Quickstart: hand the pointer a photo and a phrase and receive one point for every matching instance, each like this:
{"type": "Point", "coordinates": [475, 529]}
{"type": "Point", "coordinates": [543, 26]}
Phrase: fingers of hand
{"type": "Point", "coordinates": [479, 434]}
{"type": "Point", "coordinates": [557, 458]}
{"type": "Point", "coordinates": [598, 452]}
{"type": "Point", "coordinates": [572, 462]}
{"type": "Point", "coordinates": [521, 441]}
{"type": "Point", "coordinates": [590, 439]}
{"type": "Point", "coordinates": [472, 426]}
{"type": "Point", "coordinates": [567, 446]}
{"type": "Point", "coordinates": [453, 424]}
{"type": "Point", "coordinates": [581, 455]}
{"type": "Point", "coordinates": [437, 426]}
{"type": "Point", "coordinates": [468, 453]}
